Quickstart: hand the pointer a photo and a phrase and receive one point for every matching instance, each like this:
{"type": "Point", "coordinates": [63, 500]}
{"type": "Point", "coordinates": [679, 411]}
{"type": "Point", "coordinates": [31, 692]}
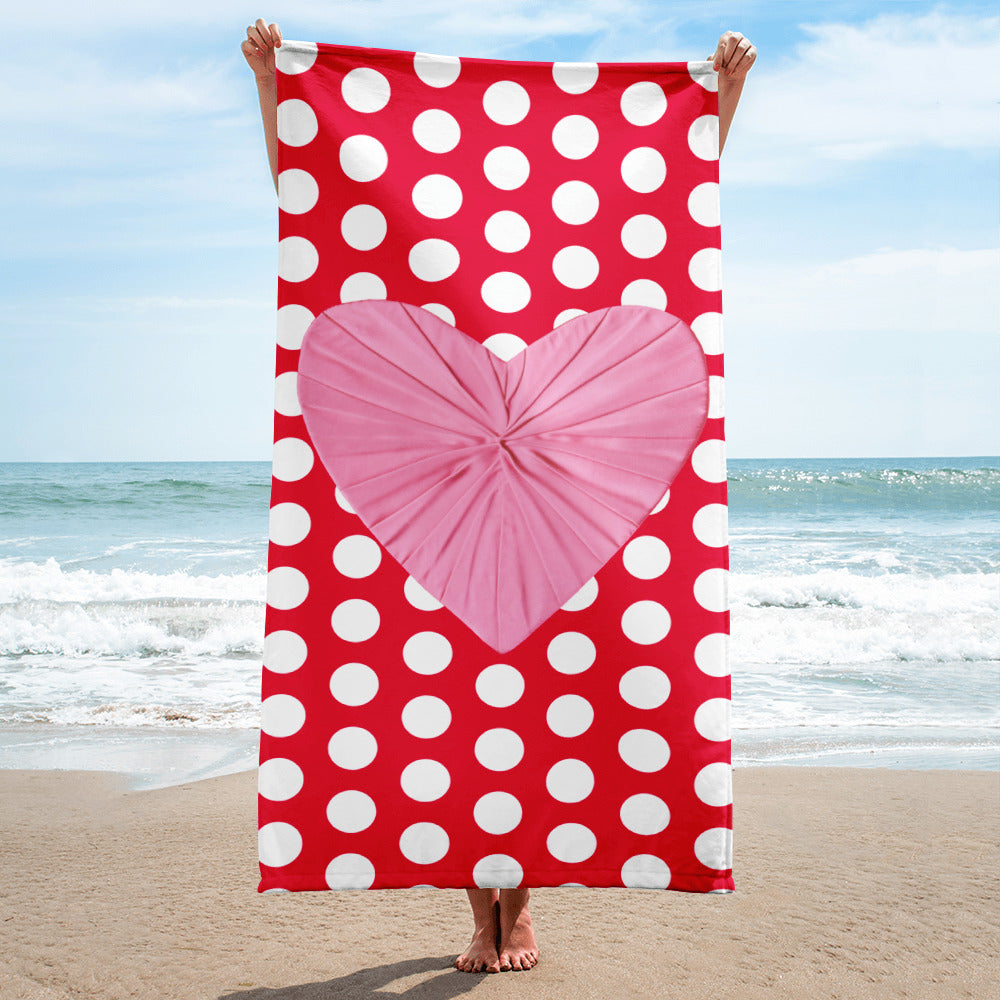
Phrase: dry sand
{"type": "Point", "coordinates": [851, 883]}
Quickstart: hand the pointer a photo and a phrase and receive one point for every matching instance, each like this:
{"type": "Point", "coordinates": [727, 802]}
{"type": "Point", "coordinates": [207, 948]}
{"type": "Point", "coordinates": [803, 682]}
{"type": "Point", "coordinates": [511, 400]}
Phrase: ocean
{"type": "Point", "coordinates": [865, 614]}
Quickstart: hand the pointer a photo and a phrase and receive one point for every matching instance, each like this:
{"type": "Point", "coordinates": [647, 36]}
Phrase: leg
{"type": "Point", "coordinates": [481, 955]}
{"type": "Point", "coordinates": [518, 950]}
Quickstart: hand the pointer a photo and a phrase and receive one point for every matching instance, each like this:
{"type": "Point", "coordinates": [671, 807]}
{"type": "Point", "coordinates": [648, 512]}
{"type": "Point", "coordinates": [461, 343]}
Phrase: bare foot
{"type": "Point", "coordinates": [518, 950]}
{"type": "Point", "coordinates": [481, 955]}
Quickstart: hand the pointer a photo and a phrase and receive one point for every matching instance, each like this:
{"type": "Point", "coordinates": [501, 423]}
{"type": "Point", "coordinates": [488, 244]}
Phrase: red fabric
{"type": "Point", "coordinates": [408, 841]}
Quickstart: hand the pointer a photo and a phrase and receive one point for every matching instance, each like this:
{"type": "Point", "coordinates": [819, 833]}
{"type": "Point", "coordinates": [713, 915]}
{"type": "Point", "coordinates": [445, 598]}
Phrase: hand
{"type": "Point", "coordinates": [734, 55]}
{"type": "Point", "coordinates": [258, 49]}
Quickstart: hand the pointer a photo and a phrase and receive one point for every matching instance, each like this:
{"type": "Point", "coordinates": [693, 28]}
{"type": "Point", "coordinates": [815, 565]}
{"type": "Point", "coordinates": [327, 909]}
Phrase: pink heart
{"type": "Point", "coordinates": [501, 486]}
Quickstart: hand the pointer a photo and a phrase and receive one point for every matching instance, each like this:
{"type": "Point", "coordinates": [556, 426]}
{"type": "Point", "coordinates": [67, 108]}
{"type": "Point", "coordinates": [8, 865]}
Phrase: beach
{"type": "Point", "coordinates": [850, 883]}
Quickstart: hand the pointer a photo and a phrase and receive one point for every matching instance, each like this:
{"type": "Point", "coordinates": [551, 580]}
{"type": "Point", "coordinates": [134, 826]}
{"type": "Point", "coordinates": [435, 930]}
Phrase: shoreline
{"type": "Point", "coordinates": [850, 882]}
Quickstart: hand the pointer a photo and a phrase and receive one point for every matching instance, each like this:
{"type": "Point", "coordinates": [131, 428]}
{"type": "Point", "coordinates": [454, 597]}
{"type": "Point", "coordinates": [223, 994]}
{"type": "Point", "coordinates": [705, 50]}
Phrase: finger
{"type": "Point", "coordinates": [276, 35]}
{"type": "Point", "coordinates": [745, 63]}
{"type": "Point", "coordinates": [734, 40]}
{"type": "Point", "coordinates": [738, 55]}
{"type": "Point", "coordinates": [250, 52]}
{"type": "Point", "coordinates": [254, 36]}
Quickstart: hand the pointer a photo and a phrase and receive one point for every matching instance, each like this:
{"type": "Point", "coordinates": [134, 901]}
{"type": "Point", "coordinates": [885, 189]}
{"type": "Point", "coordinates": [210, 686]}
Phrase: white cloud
{"type": "Point", "coordinates": [939, 290]}
{"type": "Point", "coordinates": [856, 92]}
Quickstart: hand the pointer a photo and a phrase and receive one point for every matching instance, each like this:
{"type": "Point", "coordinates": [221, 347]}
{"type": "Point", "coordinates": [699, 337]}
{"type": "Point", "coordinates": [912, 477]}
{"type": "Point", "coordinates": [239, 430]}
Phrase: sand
{"type": "Point", "coordinates": [851, 883]}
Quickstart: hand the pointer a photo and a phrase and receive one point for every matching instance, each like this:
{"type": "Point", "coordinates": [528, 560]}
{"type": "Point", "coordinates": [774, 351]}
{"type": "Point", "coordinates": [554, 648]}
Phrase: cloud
{"type": "Point", "coordinates": [857, 92]}
{"type": "Point", "coordinates": [917, 291]}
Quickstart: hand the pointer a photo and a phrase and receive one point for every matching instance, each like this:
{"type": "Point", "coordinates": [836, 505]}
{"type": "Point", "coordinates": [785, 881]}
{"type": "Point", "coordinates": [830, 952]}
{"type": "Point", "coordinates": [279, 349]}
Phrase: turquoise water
{"type": "Point", "coordinates": [864, 601]}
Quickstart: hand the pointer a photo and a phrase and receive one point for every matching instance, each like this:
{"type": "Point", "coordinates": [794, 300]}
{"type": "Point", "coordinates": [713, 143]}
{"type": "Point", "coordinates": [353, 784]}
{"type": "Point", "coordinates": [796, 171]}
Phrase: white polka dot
{"type": "Point", "coordinates": [703, 137]}
{"type": "Point", "coordinates": [297, 125]}
{"type": "Point", "coordinates": [354, 684]}
{"type": "Point", "coordinates": [574, 77]}
{"type": "Point", "coordinates": [564, 317]}
{"type": "Point", "coordinates": [350, 871]}
{"type": "Point", "coordinates": [437, 196]}
{"type": "Point", "coordinates": [714, 848]}
{"type": "Point", "coordinates": [644, 687]}
{"type": "Point", "coordinates": [646, 557]}
{"type": "Point", "coordinates": [702, 73]}
{"type": "Point", "coordinates": [442, 312]}
{"type": "Point", "coordinates": [297, 259]}
{"type": "Point", "coordinates": [506, 168]}
{"type": "Point", "coordinates": [500, 685]}
{"type": "Point", "coordinates": [714, 784]}
{"type": "Point", "coordinates": [708, 329]}
{"type": "Point", "coordinates": [281, 715]}
{"type": "Point", "coordinates": [279, 779]}
{"type": "Point", "coordinates": [646, 622]}
{"type": "Point", "coordinates": [426, 717]}
{"type": "Point", "coordinates": [645, 814]}
{"type": "Point", "coordinates": [506, 102]}
{"type": "Point", "coordinates": [497, 871]}
{"type": "Point", "coordinates": [298, 191]}
{"type": "Point", "coordinates": [352, 748]}
{"type": "Point", "coordinates": [644, 169]}
{"type": "Point", "coordinates": [705, 269]}
{"type": "Point", "coordinates": [419, 597]}
{"type": "Point", "coordinates": [569, 780]}
{"type": "Point", "coordinates": [569, 715]}
{"type": "Point", "coordinates": [712, 655]}
{"type": "Point", "coordinates": [575, 267]}
{"type": "Point", "coordinates": [287, 587]}
{"type": "Point", "coordinates": [296, 58]}
{"type": "Point", "coordinates": [293, 459]}
{"type": "Point", "coordinates": [643, 103]}
{"type": "Point", "coordinates": [288, 523]}
{"type": "Point", "coordinates": [499, 749]}
{"type": "Point", "coordinates": [504, 345]}
{"type": "Point", "coordinates": [293, 321]}
{"type": "Point", "coordinates": [424, 843]}
{"type": "Point", "coordinates": [575, 137]}
{"type": "Point", "coordinates": [286, 395]}
{"type": "Point", "coordinates": [363, 158]}
{"type": "Point", "coordinates": [587, 594]}
{"type": "Point", "coordinates": [571, 653]}
{"type": "Point", "coordinates": [363, 227]}
{"type": "Point", "coordinates": [711, 589]}
{"type": "Point", "coordinates": [708, 460]}
{"type": "Point", "coordinates": [436, 131]}
{"type": "Point", "coordinates": [661, 503]}
{"type": "Point", "coordinates": [712, 719]}
{"type": "Point", "coordinates": [278, 844]}
{"type": "Point", "coordinates": [351, 811]}
{"type": "Point", "coordinates": [365, 89]}
{"type": "Point", "coordinates": [575, 202]}
{"type": "Point", "coordinates": [644, 236]}
{"type": "Point", "coordinates": [355, 620]}
{"type": "Point", "coordinates": [425, 780]}
{"type": "Point", "coordinates": [716, 397]}
{"type": "Point", "coordinates": [711, 525]}
{"type": "Point", "coordinates": [342, 500]}
{"type": "Point", "coordinates": [644, 750]}
{"type": "Point", "coordinates": [703, 204]}
{"type": "Point", "coordinates": [433, 260]}
{"type": "Point", "coordinates": [436, 71]}
{"type": "Point", "coordinates": [357, 556]}
{"type": "Point", "coordinates": [571, 842]}
{"type": "Point", "coordinates": [645, 871]}
{"type": "Point", "coordinates": [362, 285]}
{"type": "Point", "coordinates": [427, 652]}
{"type": "Point", "coordinates": [284, 651]}
{"type": "Point", "coordinates": [644, 292]}
{"type": "Point", "coordinates": [497, 812]}
{"type": "Point", "coordinates": [507, 232]}
{"type": "Point", "coordinates": [506, 292]}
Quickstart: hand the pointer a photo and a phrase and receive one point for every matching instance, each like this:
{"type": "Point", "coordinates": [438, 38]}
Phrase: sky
{"type": "Point", "coordinates": [860, 190]}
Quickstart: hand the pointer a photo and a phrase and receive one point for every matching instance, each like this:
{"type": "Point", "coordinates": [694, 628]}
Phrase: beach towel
{"type": "Point", "coordinates": [497, 622]}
